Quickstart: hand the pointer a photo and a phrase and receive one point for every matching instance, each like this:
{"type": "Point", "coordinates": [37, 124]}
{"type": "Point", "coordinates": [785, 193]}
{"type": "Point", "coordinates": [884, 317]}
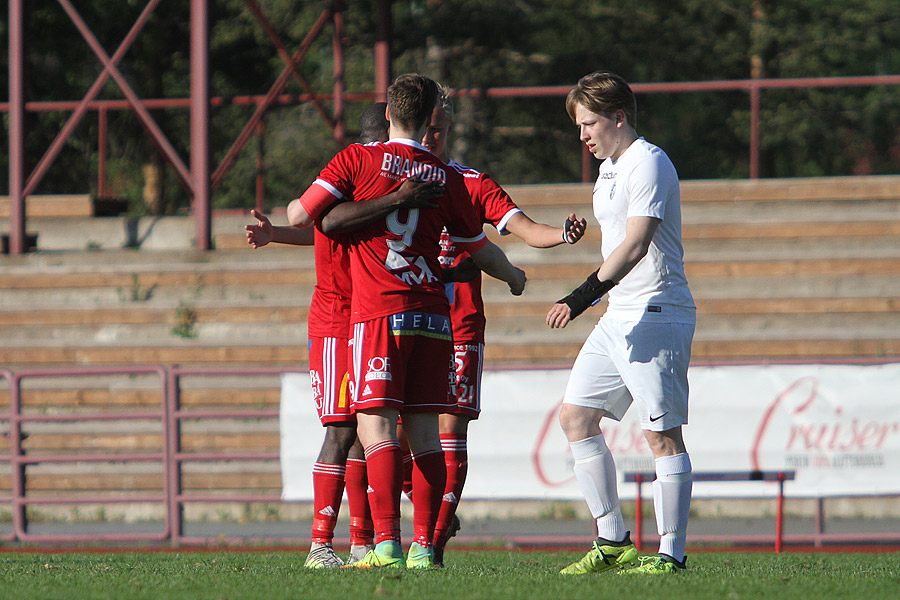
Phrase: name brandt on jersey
{"type": "Point", "coordinates": [397, 167]}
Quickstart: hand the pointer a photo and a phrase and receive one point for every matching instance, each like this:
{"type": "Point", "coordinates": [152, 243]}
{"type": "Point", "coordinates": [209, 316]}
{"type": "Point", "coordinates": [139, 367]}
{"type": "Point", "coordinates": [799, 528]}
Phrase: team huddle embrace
{"type": "Point", "coordinates": [396, 325]}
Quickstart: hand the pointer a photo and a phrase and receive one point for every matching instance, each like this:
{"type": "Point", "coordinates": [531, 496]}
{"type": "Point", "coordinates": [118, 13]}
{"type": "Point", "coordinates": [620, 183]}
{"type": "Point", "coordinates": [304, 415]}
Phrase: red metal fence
{"type": "Point", "coordinates": [170, 458]}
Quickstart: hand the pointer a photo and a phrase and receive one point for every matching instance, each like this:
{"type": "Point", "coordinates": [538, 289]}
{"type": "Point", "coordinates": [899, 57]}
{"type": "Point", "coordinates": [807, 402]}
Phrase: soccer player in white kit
{"type": "Point", "coordinates": [640, 349]}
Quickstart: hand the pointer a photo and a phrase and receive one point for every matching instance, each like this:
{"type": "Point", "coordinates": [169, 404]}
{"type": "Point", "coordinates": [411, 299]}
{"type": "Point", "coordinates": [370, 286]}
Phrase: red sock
{"type": "Point", "coordinates": [407, 475]}
{"type": "Point", "coordinates": [456, 457]}
{"type": "Point", "coordinates": [328, 491]}
{"type": "Point", "coordinates": [429, 477]}
{"type": "Point", "coordinates": [384, 472]}
{"type": "Point", "coordinates": [362, 531]}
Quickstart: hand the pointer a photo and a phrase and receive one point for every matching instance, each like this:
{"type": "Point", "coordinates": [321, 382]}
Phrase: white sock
{"type": "Point", "coordinates": [595, 471]}
{"type": "Point", "coordinates": [672, 502]}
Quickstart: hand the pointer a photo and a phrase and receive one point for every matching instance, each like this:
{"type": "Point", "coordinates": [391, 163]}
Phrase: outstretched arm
{"type": "Point", "coordinates": [348, 216]}
{"type": "Point", "coordinates": [263, 232]}
{"type": "Point", "coordinates": [494, 262]}
{"type": "Point", "coordinates": [539, 235]}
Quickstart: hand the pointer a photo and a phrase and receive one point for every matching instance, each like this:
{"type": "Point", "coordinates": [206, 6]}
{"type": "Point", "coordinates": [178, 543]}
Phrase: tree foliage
{"type": "Point", "coordinates": [474, 45]}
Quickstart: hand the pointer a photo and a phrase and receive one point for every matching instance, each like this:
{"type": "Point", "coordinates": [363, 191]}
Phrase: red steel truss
{"type": "Point", "coordinates": [199, 178]}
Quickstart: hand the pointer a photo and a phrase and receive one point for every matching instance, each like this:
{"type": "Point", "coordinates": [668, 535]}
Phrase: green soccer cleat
{"type": "Point", "coordinates": [322, 556]}
{"type": "Point", "coordinates": [653, 565]}
{"type": "Point", "coordinates": [419, 557]}
{"type": "Point", "coordinates": [385, 554]}
{"type": "Point", "coordinates": [604, 556]}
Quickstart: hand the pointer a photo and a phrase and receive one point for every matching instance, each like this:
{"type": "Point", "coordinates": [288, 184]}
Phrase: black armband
{"type": "Point", "coordinates": [587, 294]}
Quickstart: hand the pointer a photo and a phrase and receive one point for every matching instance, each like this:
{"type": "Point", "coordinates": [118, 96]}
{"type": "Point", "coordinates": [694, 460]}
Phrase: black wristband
{"type": "Point", "coordinates": [569, 222]}
{"type": "Point", "coordinates": [587, 294]}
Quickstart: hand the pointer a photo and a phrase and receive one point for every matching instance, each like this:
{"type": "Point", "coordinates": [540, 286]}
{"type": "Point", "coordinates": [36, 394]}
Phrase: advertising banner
{"type": "Point", "coordinates": [836, 426]}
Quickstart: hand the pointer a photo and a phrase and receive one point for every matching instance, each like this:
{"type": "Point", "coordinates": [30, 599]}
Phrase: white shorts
{"type": "Point", "coordinates": [624, 360]}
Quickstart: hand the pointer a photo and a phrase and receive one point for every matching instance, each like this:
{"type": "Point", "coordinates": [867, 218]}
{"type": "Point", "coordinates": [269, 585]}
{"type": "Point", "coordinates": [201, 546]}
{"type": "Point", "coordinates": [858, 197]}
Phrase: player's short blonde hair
{"type": "Point", "coordinates": [603, 93]}
{"type": "Point", "coordinates": [411, 99]}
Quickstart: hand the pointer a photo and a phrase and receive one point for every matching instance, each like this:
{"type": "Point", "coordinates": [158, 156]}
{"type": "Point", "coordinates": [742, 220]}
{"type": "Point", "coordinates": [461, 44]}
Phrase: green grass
{"type": "Point", "coordinates": [470, 575]}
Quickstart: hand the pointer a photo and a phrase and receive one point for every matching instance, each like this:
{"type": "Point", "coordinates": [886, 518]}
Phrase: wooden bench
{"type": "Point", "coordinates": [140, 315]}
{"type": "Point", "coordinates": [150, 277]}
{"type": "Point", "coordinates": [800, 189]}
{"type": "Point", "coordinates": [52, 206]}
{"type": "Point", "coordinates": [639, 478]}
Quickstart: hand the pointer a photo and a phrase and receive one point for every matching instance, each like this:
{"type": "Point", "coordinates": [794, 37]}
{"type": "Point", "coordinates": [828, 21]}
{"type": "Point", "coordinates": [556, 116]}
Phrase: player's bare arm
{"type": "Point", "coordinates": [349, 216]}
{"type": "Point", "coordinates": [263, 232]}
{"type": "Point", "coordinates": [494, 262]}
{"type": "Point", "coordinates": [540, 235]}
{"type": "Point", "coordinates": [639, 232]}
{"type": "Point", "coordinates": [296, 213]}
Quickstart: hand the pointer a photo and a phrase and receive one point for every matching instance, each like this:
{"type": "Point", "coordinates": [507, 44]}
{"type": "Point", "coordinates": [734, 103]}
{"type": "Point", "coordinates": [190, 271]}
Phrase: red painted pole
{"type": "Point", "coordinates": [101, 153]}
{"type": "Point", "coordinates": [754, 131]}
{"type": "Point", "coordinates": [200, 180]}
{"type": "Point", "coordinates": [338, 52]}
{"type": "Point", "coordinates": [16, 129]}
{"type": "Point", "coordinates": [174, 512]}
{"type": "Point", "coordinates": [820, 521]}
{"type": "Point", "coordinates": [779, 517]}
{"type": "Point", "coordinates": [383, 32]}
{"type": "Point", "coordinates": [19, 516]}
{"type": "Point", "coordinates": [260, 165]}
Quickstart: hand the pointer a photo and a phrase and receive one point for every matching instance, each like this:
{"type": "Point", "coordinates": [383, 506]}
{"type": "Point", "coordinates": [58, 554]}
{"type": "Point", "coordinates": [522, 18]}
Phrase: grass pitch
{"type": "Point", "coordinates": [469, 575]}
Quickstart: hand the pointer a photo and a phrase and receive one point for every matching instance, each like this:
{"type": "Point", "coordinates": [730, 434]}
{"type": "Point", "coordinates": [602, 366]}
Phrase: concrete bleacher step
{"type": "Point", "coordinates": [757, 253]}
{"type": "Point", "coordinates": [52, 206]}
{"type": "Point", "coordinates": [781, 270]}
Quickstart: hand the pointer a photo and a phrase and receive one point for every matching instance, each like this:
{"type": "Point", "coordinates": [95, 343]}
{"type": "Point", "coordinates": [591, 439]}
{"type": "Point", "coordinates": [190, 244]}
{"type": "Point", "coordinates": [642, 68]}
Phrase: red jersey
{"type": "Point", "coordinates": [394, 261]}
{"type": "Point", "coordinates": [492, 205]}
{"type": "Point", "coordinates": [329, 309]}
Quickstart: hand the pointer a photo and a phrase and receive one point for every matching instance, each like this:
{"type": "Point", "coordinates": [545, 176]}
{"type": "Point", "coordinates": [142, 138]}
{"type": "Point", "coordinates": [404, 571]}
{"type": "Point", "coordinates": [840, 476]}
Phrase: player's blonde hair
{"type": "Point", "coordinates": [603, 93]}
{"type": "Point", "coordinates": [411, 99]}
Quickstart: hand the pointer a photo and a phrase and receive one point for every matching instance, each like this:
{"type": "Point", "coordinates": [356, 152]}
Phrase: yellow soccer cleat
{"type": "Point", "coordinates": [656, 565]}
{"type": "Point", "coordinates": [604, 556]}
{"type": "Point", "coordinates": [419, 557]}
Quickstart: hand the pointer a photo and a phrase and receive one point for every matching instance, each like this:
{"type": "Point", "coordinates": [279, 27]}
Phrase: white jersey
{"type": "Point", "coordinates": [643, 183]}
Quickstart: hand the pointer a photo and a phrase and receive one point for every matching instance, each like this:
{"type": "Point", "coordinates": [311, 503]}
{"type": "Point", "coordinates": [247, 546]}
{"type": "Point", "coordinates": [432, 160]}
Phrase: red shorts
{"type": "Point", "coordinates": [328, 358]}
{"type": "Point", "coordinates": [401, 361]}
{"type": "Point", "coordinates": [465, 391]}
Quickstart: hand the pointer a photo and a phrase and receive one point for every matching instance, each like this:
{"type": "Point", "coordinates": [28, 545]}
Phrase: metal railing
{"type": "Point", "coordinates": [178, 499]}
{"type": "Point", "coordinates": [171, 457]}
{"type": "Point", "coordinates": [19, 459]}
